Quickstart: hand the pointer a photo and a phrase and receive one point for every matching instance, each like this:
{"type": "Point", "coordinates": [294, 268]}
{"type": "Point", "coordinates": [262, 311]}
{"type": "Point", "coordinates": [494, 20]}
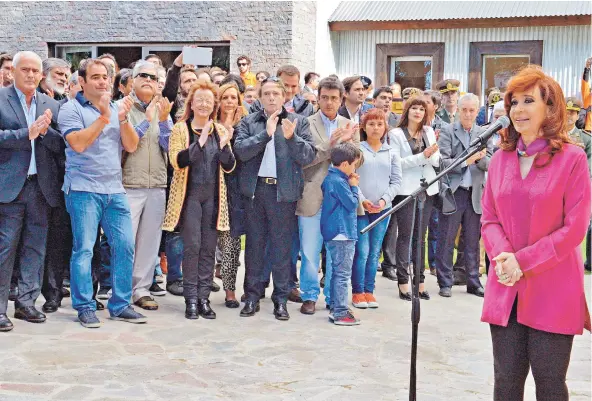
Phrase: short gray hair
{"type": "Point", "coordinates": [52, 62]}
{"type": "Point", "coordinates": [17, 58]}
{"type": "Point", "coordinates": [142, 64]}
{"type": "Point", "coordinates": [469, 97]}
{"type": "Point", "coordinates": [73, 78]}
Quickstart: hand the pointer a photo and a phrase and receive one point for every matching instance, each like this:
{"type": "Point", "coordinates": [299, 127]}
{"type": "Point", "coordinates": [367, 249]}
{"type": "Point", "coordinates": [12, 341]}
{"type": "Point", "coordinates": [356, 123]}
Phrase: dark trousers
{"type": "Point", "coordinates": [199, 241]}
{"type": "Point", "coordinates": [59, 250]}
{"type": "Point", "coordinates": [459, 270]}
{"type": "Point", "coordinates": [516, 348]}
{"type": "Point", "coordinates": [433, 237]}
{"type": "Point", "coordinates": [268, 219]}
{"type": "Point", "coordinates": [389, 245]}
{"type": "Point", "coordinates": [404, 218]}
{"type": "Point", "coordinates": [24, 220]}
{"type": "Point", "coordinates": [447, 230]}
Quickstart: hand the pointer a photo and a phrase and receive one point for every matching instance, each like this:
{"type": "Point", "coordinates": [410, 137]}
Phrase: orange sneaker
{"type": "Point", "coordinates": [370, 300]}
{"type": "Point", "coordinates": [359, 301]}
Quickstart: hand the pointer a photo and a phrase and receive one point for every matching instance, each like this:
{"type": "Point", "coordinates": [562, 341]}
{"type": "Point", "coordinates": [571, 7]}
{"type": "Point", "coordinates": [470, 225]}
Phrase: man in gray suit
{"type": "Point", "coordinates": [29, 140]}
{"type": "Point", "coordinates": [467, 182]}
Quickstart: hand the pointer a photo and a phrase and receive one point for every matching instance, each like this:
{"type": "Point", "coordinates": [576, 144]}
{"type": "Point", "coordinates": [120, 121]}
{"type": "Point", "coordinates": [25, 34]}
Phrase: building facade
{"type": "Point", "coordinates": [480, 44]}
{"type": "Point", "coordinates": [270, 33]}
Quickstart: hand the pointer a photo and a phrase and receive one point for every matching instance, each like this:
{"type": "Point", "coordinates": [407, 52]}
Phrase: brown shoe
{"type": "Point", "coordinates": [308, 308]}
{"type": "Point", "coordinates": [146, 303]}
{"type": "Point", "coordinates": [294, 296]}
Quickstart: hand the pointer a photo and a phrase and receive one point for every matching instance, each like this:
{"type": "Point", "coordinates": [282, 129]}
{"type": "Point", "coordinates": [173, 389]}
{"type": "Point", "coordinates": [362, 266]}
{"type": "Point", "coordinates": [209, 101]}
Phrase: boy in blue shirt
{"type": "Point", "coordinates": [339, 226]}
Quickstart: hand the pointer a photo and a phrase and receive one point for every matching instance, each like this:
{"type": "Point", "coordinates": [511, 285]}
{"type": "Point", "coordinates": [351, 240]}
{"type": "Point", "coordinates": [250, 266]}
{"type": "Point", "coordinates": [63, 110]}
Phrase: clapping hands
{"type": "Point", "coordinates": [40, 126]}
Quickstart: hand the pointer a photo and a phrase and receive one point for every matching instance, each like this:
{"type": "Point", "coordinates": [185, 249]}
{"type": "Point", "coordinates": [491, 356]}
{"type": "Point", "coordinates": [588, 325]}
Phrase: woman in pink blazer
{"type": "Point", "coordinates": [536, 208]}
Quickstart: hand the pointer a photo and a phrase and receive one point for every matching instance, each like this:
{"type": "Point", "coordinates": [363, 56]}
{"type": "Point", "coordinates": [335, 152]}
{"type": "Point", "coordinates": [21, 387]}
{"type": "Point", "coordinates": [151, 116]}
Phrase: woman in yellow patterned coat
{"type": "Point", "coordinates": [200, 153]}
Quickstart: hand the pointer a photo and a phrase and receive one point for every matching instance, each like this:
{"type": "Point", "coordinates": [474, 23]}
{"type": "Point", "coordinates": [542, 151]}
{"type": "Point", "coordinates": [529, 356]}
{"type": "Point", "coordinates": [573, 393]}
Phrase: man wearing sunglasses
{"type": "Point", "coordinates": [244, 66]}
{"type": "Point", "coordinates": [145, 178]}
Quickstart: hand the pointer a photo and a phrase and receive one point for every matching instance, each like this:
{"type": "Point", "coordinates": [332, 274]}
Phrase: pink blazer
{"type": "Point", "coordinates": [543, 219]}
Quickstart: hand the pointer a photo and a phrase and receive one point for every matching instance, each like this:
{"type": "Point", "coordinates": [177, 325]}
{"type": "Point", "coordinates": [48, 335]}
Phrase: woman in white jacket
{"type": "Point", "coordinates": [414, 142]}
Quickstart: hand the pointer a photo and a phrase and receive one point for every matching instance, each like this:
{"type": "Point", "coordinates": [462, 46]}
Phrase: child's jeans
{"type": "Point", "coordinates": [342, 259]}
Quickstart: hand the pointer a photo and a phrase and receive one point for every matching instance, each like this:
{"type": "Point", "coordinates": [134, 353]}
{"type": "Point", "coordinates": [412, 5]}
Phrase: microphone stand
{"type": "Point", "coordinates": [418, 197]}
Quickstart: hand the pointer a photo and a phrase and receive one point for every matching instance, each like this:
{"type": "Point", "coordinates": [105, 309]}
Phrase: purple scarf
{"type": "Point", "coordinates": [535, 147]}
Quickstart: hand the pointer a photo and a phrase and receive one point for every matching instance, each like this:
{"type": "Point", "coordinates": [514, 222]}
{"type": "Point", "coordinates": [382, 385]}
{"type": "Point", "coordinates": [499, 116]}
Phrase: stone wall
{"type": "Point", "coordinates": [271, 33]}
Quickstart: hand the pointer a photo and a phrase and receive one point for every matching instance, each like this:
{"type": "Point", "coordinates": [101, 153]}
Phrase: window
{"type": "Point", "coordinates": [494, 63]}
{"type": "Point", "coordinates": [74, 54]}
{"type": "Point", "coordinates": [127, 53]}
{"type": "Point", "coordinates": [411, 64]}
{"type": "Point", "coordinates": [498, 69]}
{"type": "Point", "coordinates": [414, 71]}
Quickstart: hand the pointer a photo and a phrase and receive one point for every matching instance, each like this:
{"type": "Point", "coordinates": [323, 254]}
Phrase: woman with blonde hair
{"type": "Point", "coordinates": [229, 114]}
{"type": "Point", "coordinates": [200, 154]}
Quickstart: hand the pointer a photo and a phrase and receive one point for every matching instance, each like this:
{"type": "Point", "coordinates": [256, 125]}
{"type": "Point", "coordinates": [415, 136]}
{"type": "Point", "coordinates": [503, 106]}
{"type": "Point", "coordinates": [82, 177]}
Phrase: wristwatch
{"type": "Point", "coordinates": [124, 121]}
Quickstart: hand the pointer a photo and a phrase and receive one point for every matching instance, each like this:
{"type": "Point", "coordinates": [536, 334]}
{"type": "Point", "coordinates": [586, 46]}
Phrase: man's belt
{"type": "Point", "coordinates": [268, 180]}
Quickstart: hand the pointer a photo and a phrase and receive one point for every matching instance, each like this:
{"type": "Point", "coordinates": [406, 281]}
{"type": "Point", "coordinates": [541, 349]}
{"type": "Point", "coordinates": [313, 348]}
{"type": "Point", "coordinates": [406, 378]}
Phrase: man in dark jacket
{"type": "Point", "coordinates": [294, 102]}
{"type": "Point", "coordinates": [29, 139]}
{"type": "Point", "coordinates": [273, 146]}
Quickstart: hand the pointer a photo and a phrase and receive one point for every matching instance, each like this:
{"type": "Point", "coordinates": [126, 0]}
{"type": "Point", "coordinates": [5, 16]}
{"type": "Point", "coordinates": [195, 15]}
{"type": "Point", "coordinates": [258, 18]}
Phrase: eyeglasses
{"type": "Point", "coordinates": [145, 75]}
{"type": "Point", "coordinates": [201, 100]}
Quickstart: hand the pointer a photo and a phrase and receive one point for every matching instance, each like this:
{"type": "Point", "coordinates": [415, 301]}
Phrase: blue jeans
{"type": "Point", "coordinates": [311, 243]}
{"type": "Point", "coordinates": [433, 237]}
{"type": "Point", "coordinates": [342, 257]}
{"type": "Point", "coordinates": [368, 253]}
{"type": "Point", "coordinates": [87, 210]}
{"type": "Point", "coordinates": [174, 254]}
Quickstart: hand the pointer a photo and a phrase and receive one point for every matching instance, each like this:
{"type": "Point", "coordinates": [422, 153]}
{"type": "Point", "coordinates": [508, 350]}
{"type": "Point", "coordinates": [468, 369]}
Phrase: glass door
{"type": "Point", "coordinates": [498, 69]}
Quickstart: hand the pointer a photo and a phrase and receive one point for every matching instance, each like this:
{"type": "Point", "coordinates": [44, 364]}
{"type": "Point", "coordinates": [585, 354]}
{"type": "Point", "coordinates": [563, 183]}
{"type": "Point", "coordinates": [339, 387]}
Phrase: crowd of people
{"type": "Point", "coordinates": [112, 178]}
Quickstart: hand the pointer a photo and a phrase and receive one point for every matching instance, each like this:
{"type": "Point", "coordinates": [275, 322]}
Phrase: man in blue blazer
{"type": "Point", "coordinates": [29, 139]}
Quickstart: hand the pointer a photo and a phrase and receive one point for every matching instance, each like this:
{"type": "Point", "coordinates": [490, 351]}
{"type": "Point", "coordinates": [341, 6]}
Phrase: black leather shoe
{"type": "Point", "coordinates": [445, 292]}
{"type": "Point", "coordinates": [204, 309]}
{"type": "Point", "coordinates": [250, 308]}
{"type": "Point", "coordinates": [100, 305]}
{"type": "Point", "coordinates": [5, 323]}
{"type": "Point", "coordinates": [389, 272]}
{"type": "Point", "coordinates": [281, 312]}
{"type": "Point", "coordinates": [215, 287]}
{"type": "Point", "coordinates": [476, 291]}
{"type": "Point", "coordinates": [425, 295]}
{"type": "Point", "coordinates": [191, 309]}
{"type": "Point", "coordinates": [231, 303]}
{"type": "Point", "coordinates": [29, 314]}
{"type": "Point", "coordinates": [13, 294]}
{"type": "Point", "coordinates": [51, 306]}
{"type": "Point", "coordinates": [405, 296]}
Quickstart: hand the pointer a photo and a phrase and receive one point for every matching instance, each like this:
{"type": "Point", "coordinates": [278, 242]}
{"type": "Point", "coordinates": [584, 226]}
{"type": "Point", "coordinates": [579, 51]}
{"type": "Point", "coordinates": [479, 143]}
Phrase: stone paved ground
{"type": "Point", "coordinates": [261, 359]}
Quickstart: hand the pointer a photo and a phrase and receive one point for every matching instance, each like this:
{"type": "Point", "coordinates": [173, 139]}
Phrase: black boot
{"type": "Point", "coordinates": [204, 310]}
{"type": "Point", "coordinates": [280, 311]}
{"type": "Point", "coordinates": [191, 309]}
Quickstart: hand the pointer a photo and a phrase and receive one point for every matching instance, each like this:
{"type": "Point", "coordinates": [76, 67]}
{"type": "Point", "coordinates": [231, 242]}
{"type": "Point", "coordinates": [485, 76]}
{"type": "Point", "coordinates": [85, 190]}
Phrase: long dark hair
{"type": "Point", "coordinates": [404, 121]}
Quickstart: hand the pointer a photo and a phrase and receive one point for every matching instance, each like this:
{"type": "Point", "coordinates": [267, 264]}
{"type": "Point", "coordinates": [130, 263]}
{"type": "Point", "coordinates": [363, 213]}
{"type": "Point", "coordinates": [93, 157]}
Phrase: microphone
{"type": "Point", "coordinates": [502, 122]}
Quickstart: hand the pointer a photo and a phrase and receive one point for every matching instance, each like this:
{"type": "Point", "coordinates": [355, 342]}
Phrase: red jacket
{"type": "Point", "coordinates": [543, 219]}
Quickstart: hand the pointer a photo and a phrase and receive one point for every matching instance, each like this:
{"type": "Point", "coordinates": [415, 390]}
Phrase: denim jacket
{"type": "Point", "coordinates": [340, 202]}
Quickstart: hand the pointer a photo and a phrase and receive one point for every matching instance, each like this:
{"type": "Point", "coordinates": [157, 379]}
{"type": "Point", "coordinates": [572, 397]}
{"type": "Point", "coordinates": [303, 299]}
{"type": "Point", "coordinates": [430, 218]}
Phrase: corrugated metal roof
{"type": "Point", "coordinates": [449, 10]}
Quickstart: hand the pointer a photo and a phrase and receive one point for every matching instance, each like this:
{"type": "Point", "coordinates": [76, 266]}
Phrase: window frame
{"type": "Point", "coordinates": [532, 48]}
{"type": "Point", "coordinates": [384, 51]}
